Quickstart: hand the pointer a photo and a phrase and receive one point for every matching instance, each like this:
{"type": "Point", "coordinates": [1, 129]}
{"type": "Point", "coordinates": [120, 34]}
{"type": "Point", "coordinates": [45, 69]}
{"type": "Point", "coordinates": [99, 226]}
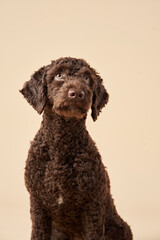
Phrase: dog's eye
{"type": "Point", "coordinates": [59, 77]}
{"type": "Point", "coordinates": [87, 80]}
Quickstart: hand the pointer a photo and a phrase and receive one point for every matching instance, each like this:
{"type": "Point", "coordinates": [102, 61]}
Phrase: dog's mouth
{"type": "Point", "coordinates": [70, 111]}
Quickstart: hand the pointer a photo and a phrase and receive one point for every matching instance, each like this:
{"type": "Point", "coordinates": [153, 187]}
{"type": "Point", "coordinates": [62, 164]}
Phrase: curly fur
{"type": "Point", "coordinates": [67, 181]}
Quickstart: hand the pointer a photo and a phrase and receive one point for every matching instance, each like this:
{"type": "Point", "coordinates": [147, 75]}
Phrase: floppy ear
{"type": "Point", "coordinates": [35, 90]}
{"type": "Point", "coordinates": [100, 98]}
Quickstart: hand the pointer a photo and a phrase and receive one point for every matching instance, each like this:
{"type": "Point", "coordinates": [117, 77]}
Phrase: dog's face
{"type": "Point", "coordinates": [70, 89]}
{"type": "Point", "coordinates": [70, 86]}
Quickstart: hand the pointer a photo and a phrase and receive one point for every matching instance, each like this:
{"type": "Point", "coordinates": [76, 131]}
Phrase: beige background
{"type": "Point", "coordinates": [119, 38]}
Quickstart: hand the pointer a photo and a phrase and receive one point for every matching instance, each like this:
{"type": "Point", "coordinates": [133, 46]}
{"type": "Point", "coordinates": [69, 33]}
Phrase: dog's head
{"type": "Point", "coordinates": [69, 85]}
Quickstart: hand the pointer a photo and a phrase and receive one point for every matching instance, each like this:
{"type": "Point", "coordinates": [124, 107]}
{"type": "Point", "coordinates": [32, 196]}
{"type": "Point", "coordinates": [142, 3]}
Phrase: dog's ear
{"type": "Point", "coordinates": [100, 98]}
{"type": "Point", "coordinates": [35, 90]}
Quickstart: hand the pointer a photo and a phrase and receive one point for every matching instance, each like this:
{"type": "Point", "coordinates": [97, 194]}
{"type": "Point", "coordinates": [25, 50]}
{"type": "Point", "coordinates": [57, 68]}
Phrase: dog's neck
{"type": "Point", "coordinates": [58, 127]}
{"type": "Point", "coordinates": [69, 135]}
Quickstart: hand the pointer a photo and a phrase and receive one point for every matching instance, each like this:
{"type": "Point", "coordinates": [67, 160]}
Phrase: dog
{"type": "Point", "coordinates": [68, 184]}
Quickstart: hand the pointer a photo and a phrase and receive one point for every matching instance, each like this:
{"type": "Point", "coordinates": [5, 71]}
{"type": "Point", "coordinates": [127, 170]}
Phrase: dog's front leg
{"type": "Point", "coordinates": [41, 222]}
{"type": "Point", "coordinates": [94, 224]}
{"type": "Point", "coordinates": [93, 232]}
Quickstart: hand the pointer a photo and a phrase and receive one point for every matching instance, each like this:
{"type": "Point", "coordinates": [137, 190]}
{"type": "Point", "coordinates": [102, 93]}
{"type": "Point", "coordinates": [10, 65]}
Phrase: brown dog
{"type": "Point", "coordinates": [68, 185]}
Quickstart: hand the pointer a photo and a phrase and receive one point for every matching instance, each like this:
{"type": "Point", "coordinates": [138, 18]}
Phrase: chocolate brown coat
{"type": "Point", "coordinates": [68, 184]}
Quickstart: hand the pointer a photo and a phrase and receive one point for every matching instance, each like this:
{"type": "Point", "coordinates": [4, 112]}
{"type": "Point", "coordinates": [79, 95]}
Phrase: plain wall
{"type": "Point", "coordinates": [121, 40]}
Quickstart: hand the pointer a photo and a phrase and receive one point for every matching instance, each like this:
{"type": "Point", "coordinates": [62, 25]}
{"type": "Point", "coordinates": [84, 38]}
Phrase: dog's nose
{"type": "Point", "coordinates": [73, 93]}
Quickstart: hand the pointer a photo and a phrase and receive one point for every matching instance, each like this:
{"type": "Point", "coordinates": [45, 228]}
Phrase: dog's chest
{"type": "Point", "coordinates": [62, 177]}
{"type": "Point", "coordinates": [61, 188]}
{"type": "Point", "coordinates": [66, 182]}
